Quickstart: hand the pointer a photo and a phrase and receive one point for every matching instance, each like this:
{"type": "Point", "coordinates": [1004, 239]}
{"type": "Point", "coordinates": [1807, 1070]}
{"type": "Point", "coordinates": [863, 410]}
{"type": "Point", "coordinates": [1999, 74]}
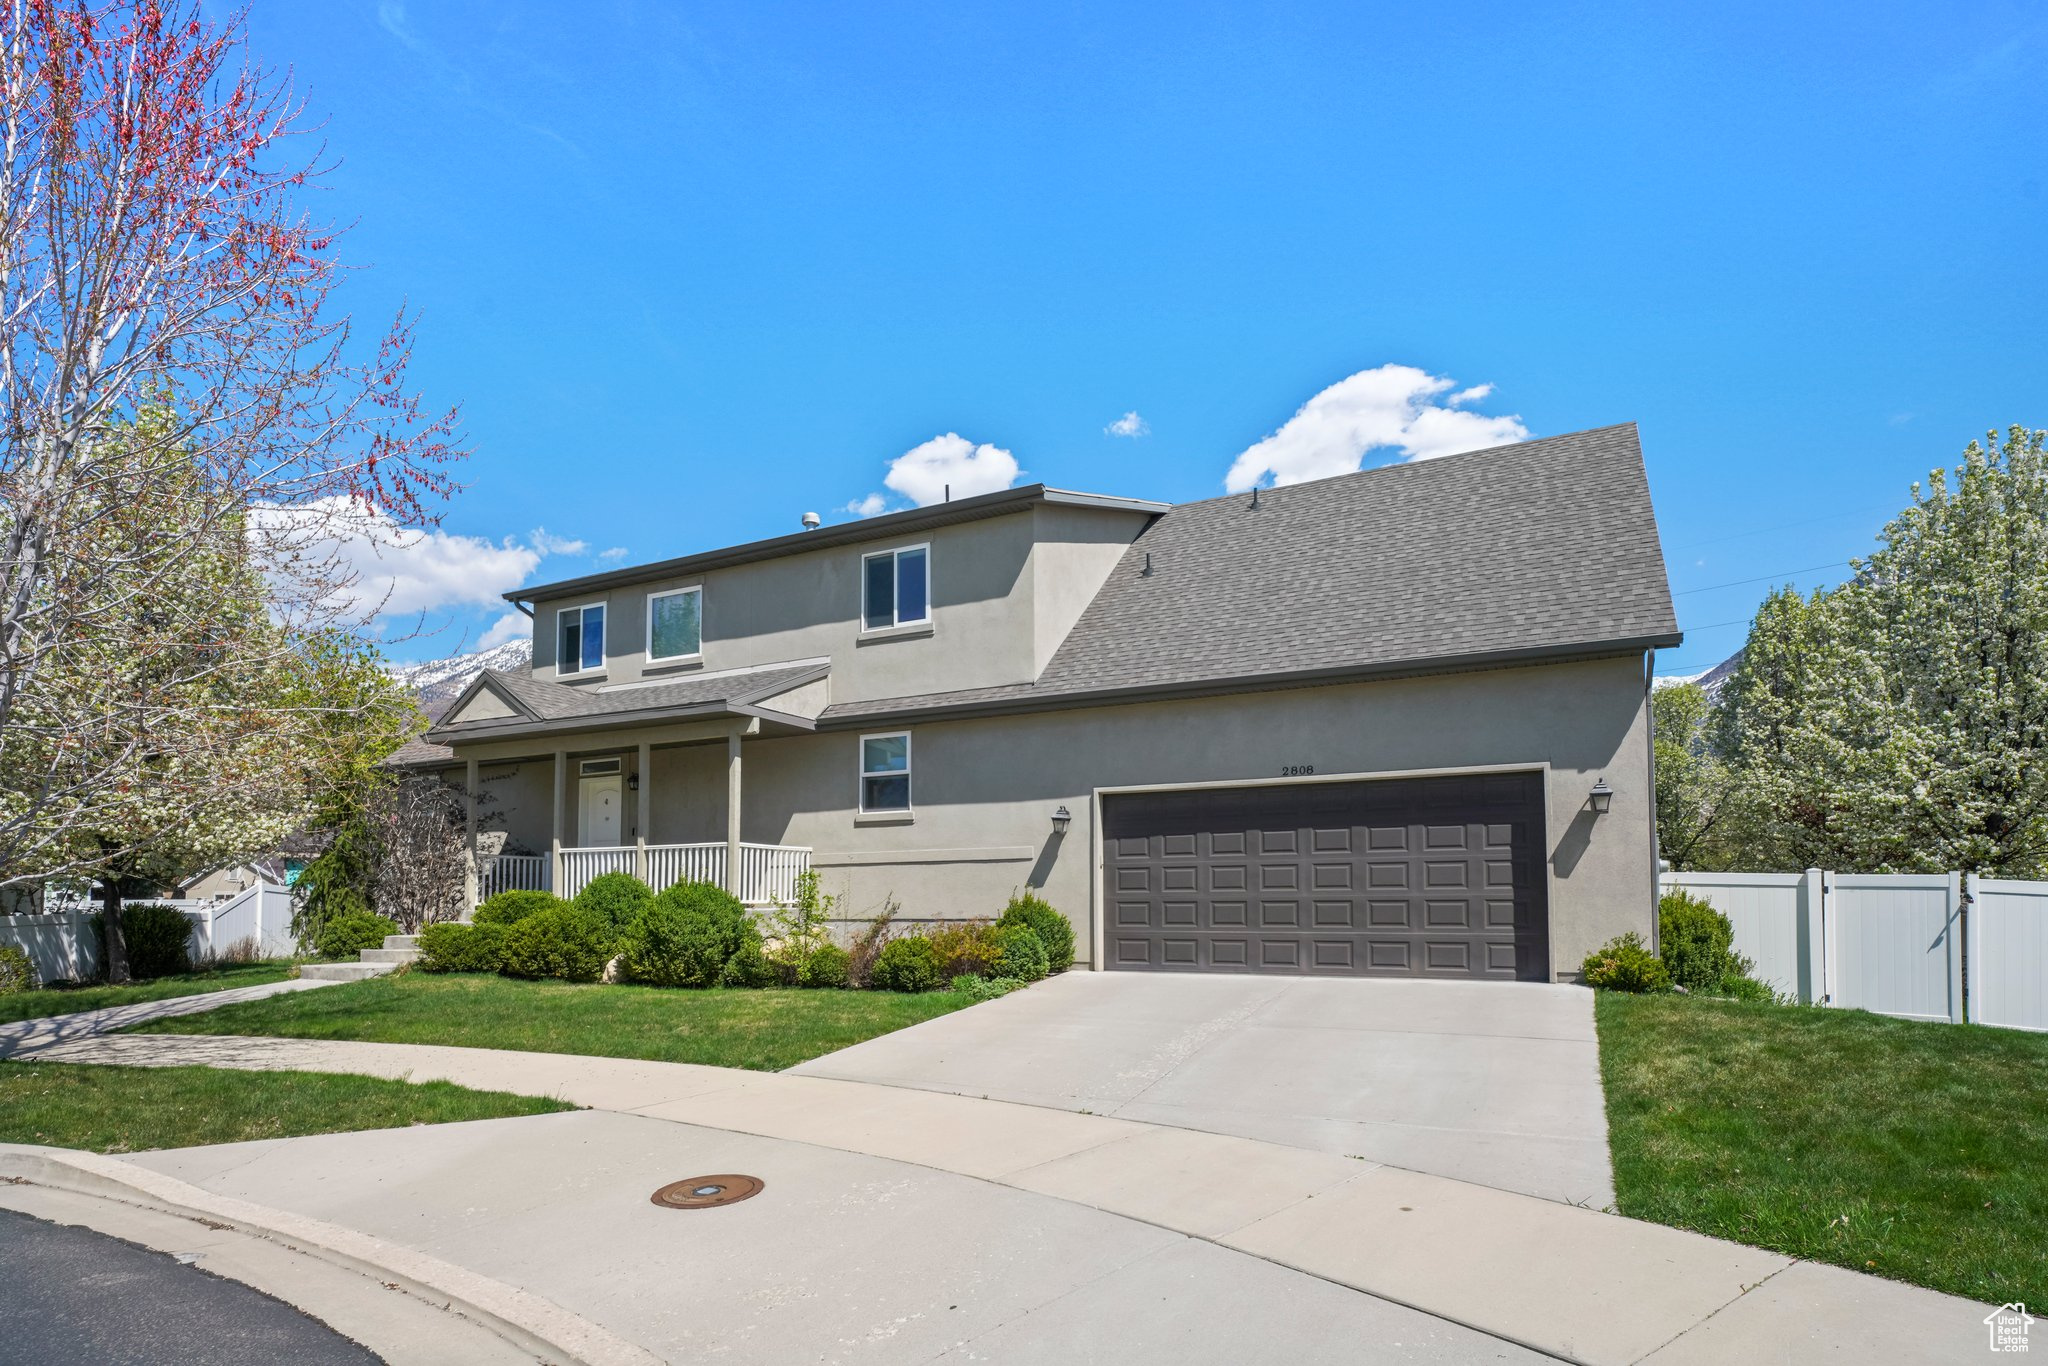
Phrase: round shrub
{"type": "Point", "coordinates": [1016, 951]}
{"type": "Point", "coordinates": [17, 974]}
{"type": "Point", "coordinates": [906, 964]}
{"type": "Point", "coordinates": [560, 942]}
{"type": "Point", "coordinates": [347, 935]}
{"type": "Point", "coordinates": [452, 946]}
{"type": "Point", "coordinates": [1624, 964]}
{"type": "Point", "coordinates": [615, 898]}
{"type": "Point", "coordinates": [1053, 929]}
{"type": "Point", "coordinates": [509, 908]}
{"type": "Point", "coordinates": [695, 934]}
{"type": "Point", "coordinates": [1696, 943]}
{"type": "Point", "coordinates": [158, 938]}
{"type": "Point", "coordinates": [962, 947]}
{"type": "Point", "coordinates": [826, 967]}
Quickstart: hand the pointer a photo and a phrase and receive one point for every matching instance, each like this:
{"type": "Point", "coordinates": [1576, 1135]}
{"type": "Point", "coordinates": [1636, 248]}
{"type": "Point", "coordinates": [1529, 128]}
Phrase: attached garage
{"type": "Point", "coordinates": [1412, 877]}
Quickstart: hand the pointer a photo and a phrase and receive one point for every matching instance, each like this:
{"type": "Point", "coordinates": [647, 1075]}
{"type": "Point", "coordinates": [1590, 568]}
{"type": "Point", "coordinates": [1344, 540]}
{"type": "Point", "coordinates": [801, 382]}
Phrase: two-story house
{"type": "Point", "coordinates": [1391, 722]}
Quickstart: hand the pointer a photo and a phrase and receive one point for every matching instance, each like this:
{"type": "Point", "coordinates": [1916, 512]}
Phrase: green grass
{"type": "Point", "coordinates": [1899, 1148]}
{"type": "Point", "coordinates": [766, 1030]}
{"type": "Point", "coordinates": [132, 1109]}
{"type": "Point", "coordinates": [47, 1001]}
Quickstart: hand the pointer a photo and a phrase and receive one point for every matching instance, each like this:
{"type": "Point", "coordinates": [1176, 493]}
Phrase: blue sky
{"type": "Point", "coordinates": [692, 269]}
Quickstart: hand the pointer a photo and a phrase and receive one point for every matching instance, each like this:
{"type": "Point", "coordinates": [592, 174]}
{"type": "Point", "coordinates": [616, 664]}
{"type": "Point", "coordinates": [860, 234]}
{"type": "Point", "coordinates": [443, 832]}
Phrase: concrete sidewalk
{"type": "Point", "coordinates": [1582, 1285]}
{"type": "Point", "coordinates": [26, 1036]}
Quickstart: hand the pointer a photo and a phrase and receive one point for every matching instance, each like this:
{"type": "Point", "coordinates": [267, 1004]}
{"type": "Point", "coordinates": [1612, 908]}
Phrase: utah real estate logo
{"type": "Point", "coordinates": [2008, 1326]}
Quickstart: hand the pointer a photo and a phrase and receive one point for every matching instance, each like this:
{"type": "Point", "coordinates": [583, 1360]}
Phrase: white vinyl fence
{"type": "Point", "coordinates": [1921, 946]}
{"type": "Point", "coordinates": [61, 945]}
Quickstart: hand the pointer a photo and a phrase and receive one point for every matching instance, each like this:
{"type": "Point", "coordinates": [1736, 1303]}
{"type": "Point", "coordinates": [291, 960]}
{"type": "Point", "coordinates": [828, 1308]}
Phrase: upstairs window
{"type": "Point", "coordinates": [580, 635]}
{"type": "Point", "coordinates": [675, 625]}
{"type": "Point", "coordinates": [896, 588]}
{"type": "Point", "coordinates": [885, 772]}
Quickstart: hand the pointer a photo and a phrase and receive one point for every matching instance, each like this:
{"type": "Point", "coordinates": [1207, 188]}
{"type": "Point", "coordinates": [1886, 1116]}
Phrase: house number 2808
{"type": "Point", "coordinates": [1296, 770]}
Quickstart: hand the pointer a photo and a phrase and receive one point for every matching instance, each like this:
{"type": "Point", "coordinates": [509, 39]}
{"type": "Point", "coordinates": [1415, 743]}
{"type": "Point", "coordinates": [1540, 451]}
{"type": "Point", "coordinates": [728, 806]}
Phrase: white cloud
{"type": "Point", "coordinates": [1393, 407]}
{"type": "Point", "coordinates": [510, 627]}
{"type": "Point", "coordinates": [548, 544]}
{"type": "Point", "coordinates": [945, 466]}
{"type": "Point", "coordinates": [617, 552]}
{"type": "Point", "coordinates": [1130, 424]}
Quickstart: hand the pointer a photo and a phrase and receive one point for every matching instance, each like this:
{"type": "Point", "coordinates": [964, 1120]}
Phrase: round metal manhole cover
{"type": "Point", "coordinates": [707, 1192]}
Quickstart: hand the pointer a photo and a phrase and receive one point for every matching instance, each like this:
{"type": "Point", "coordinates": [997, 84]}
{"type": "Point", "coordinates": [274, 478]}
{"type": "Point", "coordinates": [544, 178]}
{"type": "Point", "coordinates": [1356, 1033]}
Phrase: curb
{"type": "Point", "coordinates": [528, 1321]}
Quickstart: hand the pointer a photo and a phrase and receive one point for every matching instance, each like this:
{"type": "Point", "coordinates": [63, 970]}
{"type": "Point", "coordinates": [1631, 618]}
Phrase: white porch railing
{"type": "Point", "coordinates": [767, 872]}
{"type": "Point", "coordinates": [512, 873]}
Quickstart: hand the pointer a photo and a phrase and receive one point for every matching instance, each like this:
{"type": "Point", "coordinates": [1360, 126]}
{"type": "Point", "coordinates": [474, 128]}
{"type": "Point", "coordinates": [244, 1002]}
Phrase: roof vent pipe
{"type": "Point", "coordinates": [1147, 571]}
{"type": "Point", "coordinates": [1255, 497]}
{"type": "Point", "coordinates": [812, 521]}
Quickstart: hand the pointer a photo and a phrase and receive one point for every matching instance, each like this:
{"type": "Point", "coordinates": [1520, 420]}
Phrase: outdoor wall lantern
{"type": "Point", "coordinates": [1602, 797]}
{"type": "Point", "coordinates": [1060, 818]}
{"type": "Point", "coordinates": [632, 782]}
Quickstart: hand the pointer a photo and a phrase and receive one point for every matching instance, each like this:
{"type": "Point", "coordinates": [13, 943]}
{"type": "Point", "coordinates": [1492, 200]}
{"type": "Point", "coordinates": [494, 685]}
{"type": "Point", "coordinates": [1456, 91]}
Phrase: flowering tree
{"type": "Point", "coordinates": [1692, 779]}
{"type": "Point", "coordinates": [182, 413]}
{"type": "Point", "coordinates": [420, 827]}
{"type": "Point", "coordinates": [1900, 722]}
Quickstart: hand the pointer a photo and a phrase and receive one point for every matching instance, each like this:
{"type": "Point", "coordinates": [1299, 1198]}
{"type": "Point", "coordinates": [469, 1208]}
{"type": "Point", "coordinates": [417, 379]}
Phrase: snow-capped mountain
{"type": "Point", "coordinates": [438, 682]}
{"type": "Point", "coordinates": [1711, 681]}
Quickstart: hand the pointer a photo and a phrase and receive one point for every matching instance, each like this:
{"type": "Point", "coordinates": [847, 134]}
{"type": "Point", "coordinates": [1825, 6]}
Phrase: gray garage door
{"type": "Point", "coordinates": [1421, 877]}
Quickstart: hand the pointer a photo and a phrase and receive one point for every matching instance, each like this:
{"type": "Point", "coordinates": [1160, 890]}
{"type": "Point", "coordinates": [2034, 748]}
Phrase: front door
{"type": "Point", "coordinates": [597, 820]}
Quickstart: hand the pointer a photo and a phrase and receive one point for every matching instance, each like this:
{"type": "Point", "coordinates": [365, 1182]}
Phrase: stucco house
{"type": "Point", "coordinates": [1393, 722]}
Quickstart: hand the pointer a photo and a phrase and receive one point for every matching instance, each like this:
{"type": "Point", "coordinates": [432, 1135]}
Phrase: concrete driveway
{"type": "Point", "coordinates": [1490, 1082]}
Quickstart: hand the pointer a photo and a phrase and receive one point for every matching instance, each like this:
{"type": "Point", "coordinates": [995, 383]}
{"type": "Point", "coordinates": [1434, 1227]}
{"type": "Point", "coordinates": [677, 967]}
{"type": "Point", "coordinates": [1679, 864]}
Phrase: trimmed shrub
{"type": "Point", "coordinates": [1696, 943]}
{"type": "Point", "coordinates": [1053, 929]}
{"type": "Point", "coordinates": [1016, 951]}
{"type": "Point", "coordinates": [906, 964]}
{"type": "Point", "coordinates": [451, 946]}
{"type": "Point", "coordinates": [347, 935]}
{"type": "Point", "coordinates": [159, 939]}
{"type": "Point", "coordinates": [562, 942]}
{"type": "Point", "coordinates": [1625, 964]}
{"type": "Point", "coordinates": [694, 935]}
{"type": "Point", "coordinates": [615, 898]}
{"type": "Point", "coordinates": [962, 947]}
{"type": "Point", "coordinates": [826, 967]}
{"type": "Point", "coordinates": [17, 974]}
{"type": "Point", "coordinates": [509, 908]}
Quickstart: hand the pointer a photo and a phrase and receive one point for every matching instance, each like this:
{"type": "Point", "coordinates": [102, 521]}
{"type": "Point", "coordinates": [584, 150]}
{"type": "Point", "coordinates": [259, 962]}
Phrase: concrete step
{"type": "Point", "coordinates": [401, 941]}
{"type": "Point", "coordinates": [343, 972]}
{"type": "Point", "coordinates": [389, 955]}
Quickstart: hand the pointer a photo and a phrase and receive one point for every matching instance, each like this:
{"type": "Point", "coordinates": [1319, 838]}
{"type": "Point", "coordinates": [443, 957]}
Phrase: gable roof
{"type": "Point", "coordinates": [888, 525]}
{"type": "Point", "coordinates": [1540, 550]}
{"type": "Point", "coordinates": [545, 707]}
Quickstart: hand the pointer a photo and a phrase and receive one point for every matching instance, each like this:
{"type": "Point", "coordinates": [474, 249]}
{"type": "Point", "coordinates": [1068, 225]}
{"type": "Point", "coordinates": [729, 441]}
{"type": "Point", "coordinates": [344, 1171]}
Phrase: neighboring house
{"type": "Point", "coordinates": [278, 868]}
{"type": "Point", "coordinates": [1392, 722]}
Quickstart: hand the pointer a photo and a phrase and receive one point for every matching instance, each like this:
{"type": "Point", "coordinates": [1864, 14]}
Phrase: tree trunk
{"type": "Point", "coordinates": [117, 941]}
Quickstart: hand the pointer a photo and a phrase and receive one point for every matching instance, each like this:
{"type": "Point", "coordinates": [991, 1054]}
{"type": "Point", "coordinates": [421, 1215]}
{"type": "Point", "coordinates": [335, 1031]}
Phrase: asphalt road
{"type": "Point", "coordinates": [73, 1297]}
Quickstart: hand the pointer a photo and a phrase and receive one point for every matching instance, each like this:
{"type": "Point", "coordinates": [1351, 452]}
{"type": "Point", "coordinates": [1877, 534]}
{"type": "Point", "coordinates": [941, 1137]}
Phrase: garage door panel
{"type": "Point", "coordinates": [1409, 877]}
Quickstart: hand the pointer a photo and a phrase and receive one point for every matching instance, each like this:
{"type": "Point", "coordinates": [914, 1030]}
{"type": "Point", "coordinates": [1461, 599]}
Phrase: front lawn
{"type": "Point", "coordinates": [47, 1001]}
{"type": "Point", "coordinates": [1904, 1149]}
{"type": "Point", "coordinates": [131, 1109]}
{"type": "Point", "coordinates": [766, 1030]}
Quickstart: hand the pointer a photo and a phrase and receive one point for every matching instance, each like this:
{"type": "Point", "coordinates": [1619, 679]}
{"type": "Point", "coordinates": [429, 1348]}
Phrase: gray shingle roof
{"type": "Point", "coordinates": [1542, 548]}
{"type": "Point", "coordinates": [558, 702]}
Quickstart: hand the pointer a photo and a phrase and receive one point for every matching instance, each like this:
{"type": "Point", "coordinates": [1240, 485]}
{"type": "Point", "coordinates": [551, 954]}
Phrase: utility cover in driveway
{"type": "Point", "coordinates": [1413, 877]}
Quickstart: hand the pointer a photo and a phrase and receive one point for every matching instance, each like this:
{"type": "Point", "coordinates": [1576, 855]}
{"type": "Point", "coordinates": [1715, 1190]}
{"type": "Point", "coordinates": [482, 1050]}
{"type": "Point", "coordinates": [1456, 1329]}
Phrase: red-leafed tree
{"type": "Point", "coordinates": [168, 323]}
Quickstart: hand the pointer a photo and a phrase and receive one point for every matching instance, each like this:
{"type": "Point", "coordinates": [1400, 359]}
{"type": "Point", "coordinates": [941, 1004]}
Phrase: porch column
{"type": "Point", "coordinates": [560, 814]}
{"type": "Point", "coordinates": [469, 877]}
{"type": "Point", "coordinates": [732, 813]}
{"type": "Point", "coordinates": [644, 775]}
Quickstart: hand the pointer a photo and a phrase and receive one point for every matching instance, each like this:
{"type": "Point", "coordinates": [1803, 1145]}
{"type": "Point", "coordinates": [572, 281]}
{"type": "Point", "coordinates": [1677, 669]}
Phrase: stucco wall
{"type": "Point", "coordinates": [985, 789]}
{"type": "Point", "coordinates": [987, 579]}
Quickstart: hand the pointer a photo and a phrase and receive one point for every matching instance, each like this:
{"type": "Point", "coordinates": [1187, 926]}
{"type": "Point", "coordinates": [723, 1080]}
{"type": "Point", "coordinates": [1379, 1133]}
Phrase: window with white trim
{"type": "Point", "coordinates": [675, 625]}
{"type": "Point", "coordinates": [885, 772]}
{"type": "Point", "coordinates": [579, 637]}
{"type": "Point", "coordinates": [895, 587]}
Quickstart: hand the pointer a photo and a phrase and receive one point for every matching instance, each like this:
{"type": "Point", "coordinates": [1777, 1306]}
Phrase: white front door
{"type": "Point", "coordinates": [597, 818]}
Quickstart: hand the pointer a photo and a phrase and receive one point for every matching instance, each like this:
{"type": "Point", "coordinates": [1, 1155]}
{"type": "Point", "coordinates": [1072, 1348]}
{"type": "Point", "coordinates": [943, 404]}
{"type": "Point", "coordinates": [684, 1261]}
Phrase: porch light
{"type": "Point", "coordinates": [632, 782]}
{"type": "Point", "coordinates": [1602, 797]}
{"type": "Point", "coordinates": [1060, 818]}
